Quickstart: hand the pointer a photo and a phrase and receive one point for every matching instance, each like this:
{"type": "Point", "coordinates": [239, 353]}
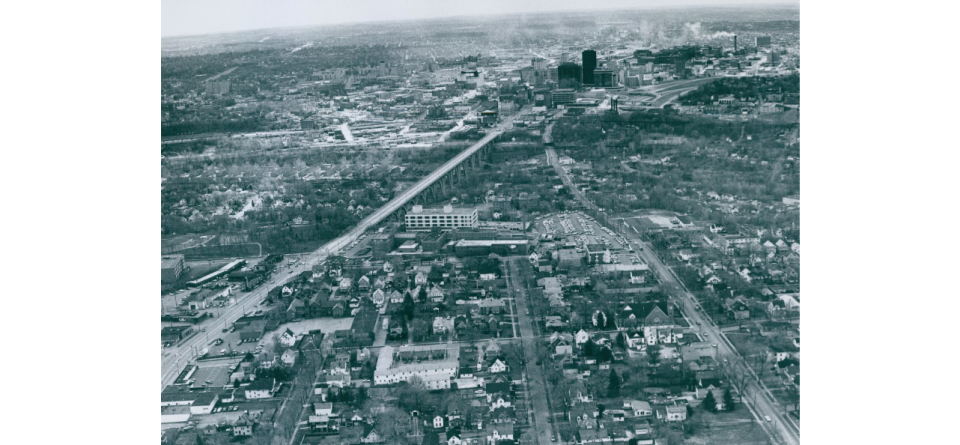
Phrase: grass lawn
{"type": "Point", "coordinates": [734, 427]}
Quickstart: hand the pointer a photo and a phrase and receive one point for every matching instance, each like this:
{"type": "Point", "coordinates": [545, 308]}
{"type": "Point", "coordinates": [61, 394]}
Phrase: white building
{"type": "Point", "coordinates": [259, 389]}
{"type": "Point", "coordinates": [676, 413]}
{"type": "Point", "coordinates": [446, 218]}
{"type": "Point", "coordinates": [435, 373]}
{"type": "Point", "coordinates": [639, 408]}
{"type": "Point", "coordinates": [204, 403]}
{"type": "Point", "coordinates": [174, 413]}
{"type": "Point", "coordinates": [288, 338]}
{"type": "Point", "coordinates": [792, 200]}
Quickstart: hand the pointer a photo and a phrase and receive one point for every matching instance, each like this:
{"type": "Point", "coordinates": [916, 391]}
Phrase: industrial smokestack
{"type": "Point", "coordinates": [735, 49]}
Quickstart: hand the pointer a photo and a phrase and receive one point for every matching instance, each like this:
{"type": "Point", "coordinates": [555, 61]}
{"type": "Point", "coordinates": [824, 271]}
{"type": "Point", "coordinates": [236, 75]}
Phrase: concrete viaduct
{"type": "Point", "coordinates": [431, 186]}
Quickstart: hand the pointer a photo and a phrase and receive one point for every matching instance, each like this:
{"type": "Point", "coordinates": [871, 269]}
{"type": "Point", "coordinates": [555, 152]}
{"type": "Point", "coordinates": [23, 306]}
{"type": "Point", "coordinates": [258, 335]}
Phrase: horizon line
{"type": "Point", "coordinates": [795, 3]}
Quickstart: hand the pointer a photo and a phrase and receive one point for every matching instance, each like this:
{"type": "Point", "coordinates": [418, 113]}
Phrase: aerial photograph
{"type": "Point", "coordinates": [494, 224]}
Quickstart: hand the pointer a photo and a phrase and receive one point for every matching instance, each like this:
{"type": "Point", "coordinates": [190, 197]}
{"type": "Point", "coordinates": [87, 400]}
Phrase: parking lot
{"type": "Point", "coordinates": [358, 248]}
{"type": "Point", "coordinates": [581, 229]}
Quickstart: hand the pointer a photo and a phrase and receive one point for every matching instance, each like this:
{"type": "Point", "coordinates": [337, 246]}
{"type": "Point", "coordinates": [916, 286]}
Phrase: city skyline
{"type": "Point", "coordinates": [192, 18]}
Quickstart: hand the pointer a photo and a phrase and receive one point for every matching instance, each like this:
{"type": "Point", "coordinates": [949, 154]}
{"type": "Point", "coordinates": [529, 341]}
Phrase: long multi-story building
{"type": "Point", "coordinates": [564, 96]}
{"type": "Point", "coordinates": [436, 365]}
{"type": "Point", "coordinates": [446, 218]}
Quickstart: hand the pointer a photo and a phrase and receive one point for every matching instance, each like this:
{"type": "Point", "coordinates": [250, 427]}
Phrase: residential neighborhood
{"type": "Point", "coordinates": [499, 230]}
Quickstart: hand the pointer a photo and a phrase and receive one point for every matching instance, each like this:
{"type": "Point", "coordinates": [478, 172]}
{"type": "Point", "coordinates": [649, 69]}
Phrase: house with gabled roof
{"type": "Point", "coordinates": [737, 308]}
{"type": "Point", "coordinates": [378, 297]}
{"type": "Point", "coordinates": [581, 337]}
{"type": "Point", "coordinates": [363, 283]}
{"type": "Point", "coordinates": [561, 344]}
{"type": "Point", "coordinates": [435, 294]}
{"type": "Point", "coordinates": [296, 310]}
{"type": "Point", "coordinates": [288, 338]}
{"type": "Point", "coordinates": [370, 435]}
{"type": "Point", "coordinates": [244, 425]}
{"type": "Point", "coordinates": [289, 357]}
{"type": "Point", "coordinates": [491, 348]}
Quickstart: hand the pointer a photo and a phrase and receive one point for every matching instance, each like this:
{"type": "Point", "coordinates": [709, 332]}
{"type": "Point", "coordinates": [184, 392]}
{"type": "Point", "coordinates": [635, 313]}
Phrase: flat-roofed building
{"type": "Point", "coordinates": [171, 266]}
{"type": "Point", "coordinates": [174, 414]}
{"type": "Point", "coordinates": [436, 365]}
{"type": "Point", "coordinates": [446, 218]}
{"type": "Point", "coordinates": [563, 96]}
{"type": "Point", "coordinates": [485, 247]}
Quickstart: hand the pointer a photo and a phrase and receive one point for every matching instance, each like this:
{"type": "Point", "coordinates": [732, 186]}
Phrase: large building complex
{"type": "Point", "coordinates": [436, 365]}
{"type": "Point", "coordinates": [171, 266]}
{"type": "Point", "coordinates": [446, 218]}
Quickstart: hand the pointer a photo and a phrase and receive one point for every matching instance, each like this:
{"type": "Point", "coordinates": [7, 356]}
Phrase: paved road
{"type": "Point", "coordinates": [536, 384]}
{"type": "Point", "coordinates": [215, 77]}
{"type": "Point", "coordinates": [172, 359]}
{"type": "Point", "coordinates": [668, 97]}
{"type": "Point", "coordinates": [759, 400]}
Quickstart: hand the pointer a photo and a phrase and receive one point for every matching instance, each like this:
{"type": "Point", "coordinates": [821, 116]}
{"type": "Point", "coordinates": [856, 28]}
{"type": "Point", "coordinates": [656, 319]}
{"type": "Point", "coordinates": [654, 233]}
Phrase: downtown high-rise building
{"type": "Point", "coordinates": [589, 65]}
{"type": "Point", "coordinates": [569, 75]}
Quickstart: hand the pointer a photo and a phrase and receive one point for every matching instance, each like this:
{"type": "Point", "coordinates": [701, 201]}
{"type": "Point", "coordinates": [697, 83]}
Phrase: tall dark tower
{"type": "Point", "coordinates": [735, 49]}
{"type": "Point", "coordinates": [589, 64]}
{"type": "Point", "coordinates": [569, 75]}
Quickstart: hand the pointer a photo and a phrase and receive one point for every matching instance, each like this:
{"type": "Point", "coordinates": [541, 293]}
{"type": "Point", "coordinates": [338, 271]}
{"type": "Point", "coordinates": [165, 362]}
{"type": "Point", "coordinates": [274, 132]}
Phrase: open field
{"type": "Point", "coordinates": [724, 428]}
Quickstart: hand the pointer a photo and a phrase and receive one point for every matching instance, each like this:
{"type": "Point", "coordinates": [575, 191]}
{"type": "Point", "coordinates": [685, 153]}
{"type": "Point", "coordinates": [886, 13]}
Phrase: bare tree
{"type": "Point", "coordinates": [392, 425]}
{"type": "Point", "coordinates": [277, 346]}
{"type": "Point", "coordinates": [412, 394]}
{"type": "Point", "coordinates": [793, 396]}
{"type": "Point", "coordinates": [738, 376]}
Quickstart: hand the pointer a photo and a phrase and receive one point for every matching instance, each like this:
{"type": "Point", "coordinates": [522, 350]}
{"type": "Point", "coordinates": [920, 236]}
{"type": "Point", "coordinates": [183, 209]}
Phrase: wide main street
{"type": "Point", "coordinates": [172, 358]}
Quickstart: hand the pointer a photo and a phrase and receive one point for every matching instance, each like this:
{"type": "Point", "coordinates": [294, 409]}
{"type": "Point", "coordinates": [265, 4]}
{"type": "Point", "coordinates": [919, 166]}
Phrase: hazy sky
{"type": "Point", "coordinates": [189, 17]}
